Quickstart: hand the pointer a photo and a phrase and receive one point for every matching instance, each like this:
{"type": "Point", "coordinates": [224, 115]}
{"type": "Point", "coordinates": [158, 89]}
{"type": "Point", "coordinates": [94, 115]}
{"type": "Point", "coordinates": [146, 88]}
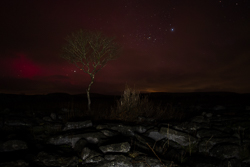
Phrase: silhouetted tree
{"type": "Point", "coordinates": [89, 51]}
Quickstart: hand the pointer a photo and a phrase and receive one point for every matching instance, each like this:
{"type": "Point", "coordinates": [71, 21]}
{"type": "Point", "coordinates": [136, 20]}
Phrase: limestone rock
{"type": "Point", "coordinates": [56, 160]}
{"type": "Point", "coordinates": [71, 139]}
{"type": "Point", "coordinates": [225, 151]}
{"type": "Point", "coordinates": [182, 138]}
{"type": "Point", "coordinates": [13, 145]}
{"type": "Point", "coordinates": [18, 163]}
{"type": "Point", "coordinates": [77, 125]}
{"type": "Point", "coordinates": [117, 147]}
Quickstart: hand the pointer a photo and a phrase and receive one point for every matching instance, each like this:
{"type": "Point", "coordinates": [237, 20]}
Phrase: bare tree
{"type": "Point", "coordinates": [89, 51]}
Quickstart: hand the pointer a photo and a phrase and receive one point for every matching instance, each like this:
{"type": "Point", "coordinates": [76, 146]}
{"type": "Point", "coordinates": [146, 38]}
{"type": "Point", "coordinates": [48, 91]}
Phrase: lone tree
{"type": "Point", "coordinates": [89, 51]}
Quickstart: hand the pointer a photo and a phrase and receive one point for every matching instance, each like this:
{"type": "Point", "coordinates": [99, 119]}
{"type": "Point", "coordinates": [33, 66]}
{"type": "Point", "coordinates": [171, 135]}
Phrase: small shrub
{"type": "Point", "coordinates": [131, 106]}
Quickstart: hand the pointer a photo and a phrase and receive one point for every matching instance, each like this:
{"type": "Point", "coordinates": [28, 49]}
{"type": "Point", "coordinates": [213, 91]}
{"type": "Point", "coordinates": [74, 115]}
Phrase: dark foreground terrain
{"type": "Point", "coordinates": [161, 129]}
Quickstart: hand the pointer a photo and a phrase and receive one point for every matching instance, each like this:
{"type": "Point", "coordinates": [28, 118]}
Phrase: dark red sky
{"type": "Point", "coordinates": [168, 45]}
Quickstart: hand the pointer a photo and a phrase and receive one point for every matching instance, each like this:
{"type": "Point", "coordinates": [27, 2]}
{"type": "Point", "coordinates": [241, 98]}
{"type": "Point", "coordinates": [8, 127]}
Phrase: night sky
{"type": "Point", "coordinates": [167, 45]}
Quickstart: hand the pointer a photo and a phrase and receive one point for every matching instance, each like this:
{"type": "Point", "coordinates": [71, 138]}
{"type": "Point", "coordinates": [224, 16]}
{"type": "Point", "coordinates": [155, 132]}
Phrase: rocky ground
{"type": "Point", "coordinates": [219, 136]}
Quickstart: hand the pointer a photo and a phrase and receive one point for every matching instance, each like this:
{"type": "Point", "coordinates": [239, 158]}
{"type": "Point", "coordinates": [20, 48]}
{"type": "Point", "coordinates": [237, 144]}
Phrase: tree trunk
{"type": "Point", "coordinates": [89, 101]}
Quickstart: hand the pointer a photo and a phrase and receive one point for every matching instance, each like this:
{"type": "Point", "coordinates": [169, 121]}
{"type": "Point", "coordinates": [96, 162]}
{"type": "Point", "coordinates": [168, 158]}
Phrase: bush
{"type": "Point", "coordinates": [131, 106]}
